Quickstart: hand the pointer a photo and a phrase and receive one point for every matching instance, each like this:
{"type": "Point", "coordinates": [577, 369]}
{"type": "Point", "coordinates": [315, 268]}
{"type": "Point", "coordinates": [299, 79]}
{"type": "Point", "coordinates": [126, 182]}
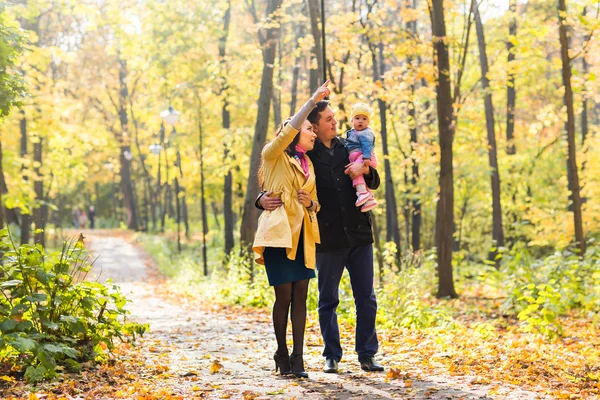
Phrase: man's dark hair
{"type": "Point", "coordinates": [315, 114]}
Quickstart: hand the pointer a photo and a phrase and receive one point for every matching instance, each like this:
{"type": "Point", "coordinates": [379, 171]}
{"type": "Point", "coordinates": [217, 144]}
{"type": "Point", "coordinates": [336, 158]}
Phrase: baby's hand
{"type": "Point", "coordinates": [367, 162]}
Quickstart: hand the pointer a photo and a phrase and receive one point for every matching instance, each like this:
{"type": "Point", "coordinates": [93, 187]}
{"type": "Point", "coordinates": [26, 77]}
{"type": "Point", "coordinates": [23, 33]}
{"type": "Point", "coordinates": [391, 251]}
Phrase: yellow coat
{"type": "Point", "coordinates": [281, 228]}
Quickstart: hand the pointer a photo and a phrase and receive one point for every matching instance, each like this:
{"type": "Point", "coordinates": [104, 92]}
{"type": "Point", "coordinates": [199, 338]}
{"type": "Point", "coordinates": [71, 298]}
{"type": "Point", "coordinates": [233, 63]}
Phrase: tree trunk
{"type": "Point", "coordinates": [160, 206]}
{"type": "Point", "coordinates": [178, 214]}
{"type": "Point", "coordinates": [125, 151]}
{"type": "Point", "coordinates": [584, 111]}
{"type": "Point", "coordinates": [317, 50]}
{"type": "Point", "coordinates": [376, 237]}
{"type": "Point", "coordinates": [202, 194]}
{"type": "Point", "coordinates": [391, 209]}
{"type": "Point", "coordinates": [226, 123]}
{"type": "Point", "coordinates": [25, 217]}
{"type": "Point", "coordinates": [407, 211]}
{"type": "Point", "coordinates": [148, 206]}
{"type": "Point", "coordinates": [511, 94]}
{"type": "Point", "coordinates": [167, 189]}
{"type": "Point", "coordinates": [412, 124]}
{"type": "Point", "coordinates": [184, 210]}
{"type": "Point", "coordinates": [445, 206]}
{"type": "Point", "coordinates": [10, 215]}
{"type": "Point", "coordinates": [497, 230]}
{"type": "Point", "coordinates": [277, 91]}
{"type": "Point", "coordinates": [216, 214]}
{"type": "Point", "coordinates": [299, 31]}
{"type": "Point", "coordinates": [250, 215]}
{"type": "Point", "coordinates": [573, 175]}
{"type": "Point", "coordinates": [38, 187]}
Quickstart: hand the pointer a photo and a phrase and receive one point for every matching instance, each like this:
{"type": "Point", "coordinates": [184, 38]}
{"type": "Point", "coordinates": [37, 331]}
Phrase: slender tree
{"type": "Point", "coordinates": [9, 214]}
{"type": "Point", "coordinates": [391, 208]}
{"type": "Point", "coordinates": [125, 155]}
{"type": "Point", "coordinates": [226, 124]}
{"type": "Point", "coordinates": [298, 29]}
{"type": "Point", "coordinates": [202, 193]}
{"type": "Point", "coordinates": [268, 40]}
{"type": "Point", "coordinates": [277, 92]}
{"type": "Point", "coordinates": [573, 175]}
{"type": "Point", "coordinates": [315, 19]}
{"type": "Point", "coordinates": [497, 230]}
{"type": "Point", "coordinates": [412, 124]}
{"type": "Point", "coordinates": [584, 103]}
{"type": "Point", "coordinates": [444, 227]}
{"type": "Point", "coordinates": [25, 217]}
{"type": "Point", "coordinates": [511, 94]}
{"type": "Point", "coordinates": [38, 187]}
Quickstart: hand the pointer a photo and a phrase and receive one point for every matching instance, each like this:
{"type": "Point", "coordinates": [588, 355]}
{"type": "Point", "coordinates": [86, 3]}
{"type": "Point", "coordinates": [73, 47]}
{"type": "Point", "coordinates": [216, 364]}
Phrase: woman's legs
{"type": "Point", "coordinates": [281, 308]}
{"type": "Point", "coordinates": [299, 294]}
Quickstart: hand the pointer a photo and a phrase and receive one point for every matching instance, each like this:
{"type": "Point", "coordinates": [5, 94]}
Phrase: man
{"type": "Point", "coordinates": [92, 216]}
{"type": "Point", "coordinates": [346, 241]}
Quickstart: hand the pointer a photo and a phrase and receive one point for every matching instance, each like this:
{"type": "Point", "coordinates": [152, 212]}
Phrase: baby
{"type": "Point", "coordinates": [360, 142]}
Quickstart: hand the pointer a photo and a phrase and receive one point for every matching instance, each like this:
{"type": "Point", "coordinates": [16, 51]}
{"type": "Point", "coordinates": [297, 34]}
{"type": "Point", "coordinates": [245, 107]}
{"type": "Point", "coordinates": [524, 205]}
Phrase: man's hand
{"type": "Point", "coordinates": [304, 198]}
{"type": "Point", "coordinates": [354, 170]}
{"type": "Point", "coordinates": [270, 203]}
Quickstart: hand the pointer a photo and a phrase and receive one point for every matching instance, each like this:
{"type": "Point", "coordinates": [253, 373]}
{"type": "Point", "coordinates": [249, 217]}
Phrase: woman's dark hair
{"type": "Point", "coordinates": [315, 114]}
{"type": "Point", "coordinates": [291, 149]}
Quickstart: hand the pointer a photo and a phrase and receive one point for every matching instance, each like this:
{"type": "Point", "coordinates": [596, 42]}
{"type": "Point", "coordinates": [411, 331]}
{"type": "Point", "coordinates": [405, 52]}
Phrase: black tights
{"type": "Point", "coordinates": [293, 293]}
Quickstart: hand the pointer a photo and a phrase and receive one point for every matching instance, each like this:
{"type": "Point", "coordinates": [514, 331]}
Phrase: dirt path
{"type": "Point", "coordinates": [185, 342]}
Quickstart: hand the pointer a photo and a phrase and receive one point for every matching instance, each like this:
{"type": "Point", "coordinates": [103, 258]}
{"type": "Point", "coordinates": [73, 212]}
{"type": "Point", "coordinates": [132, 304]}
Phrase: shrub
{"type": "Point", "coordinates": [539, 291]}
{"type": "Point", "coordinates": [403, 299]}
{"type": "Point", "coordinates": [51, 317]}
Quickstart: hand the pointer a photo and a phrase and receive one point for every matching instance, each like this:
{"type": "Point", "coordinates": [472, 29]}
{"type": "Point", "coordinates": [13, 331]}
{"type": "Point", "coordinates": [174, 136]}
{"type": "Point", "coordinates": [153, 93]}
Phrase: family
{"type": "Point", "coordinates": [316, 196]}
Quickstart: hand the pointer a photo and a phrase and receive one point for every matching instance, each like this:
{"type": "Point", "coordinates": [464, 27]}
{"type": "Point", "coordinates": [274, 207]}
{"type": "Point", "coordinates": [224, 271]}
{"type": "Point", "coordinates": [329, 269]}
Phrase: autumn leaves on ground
{"type": "Point", "coordinates": [200, 348]}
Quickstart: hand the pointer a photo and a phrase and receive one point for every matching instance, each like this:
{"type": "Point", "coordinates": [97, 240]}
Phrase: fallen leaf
{"type": "Point", "coordinates": [215, 367]}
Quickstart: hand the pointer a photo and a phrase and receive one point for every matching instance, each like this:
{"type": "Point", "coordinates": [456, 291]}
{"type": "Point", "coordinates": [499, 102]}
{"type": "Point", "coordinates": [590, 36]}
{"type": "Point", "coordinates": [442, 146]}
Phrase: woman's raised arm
{"type": "Point", "coordinates": [277, 146]}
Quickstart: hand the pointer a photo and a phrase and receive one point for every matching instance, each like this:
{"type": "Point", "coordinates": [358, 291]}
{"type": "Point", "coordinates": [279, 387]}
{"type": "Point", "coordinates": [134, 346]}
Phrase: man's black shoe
{"type": "Point", "coordinates": [331, 366]}
{"type": "Point", "coordinates": [370, 365]}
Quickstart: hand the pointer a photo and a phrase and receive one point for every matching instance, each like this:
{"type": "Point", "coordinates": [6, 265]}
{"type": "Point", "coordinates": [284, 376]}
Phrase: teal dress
{"type": "Point", "coordinates": [281, 269]}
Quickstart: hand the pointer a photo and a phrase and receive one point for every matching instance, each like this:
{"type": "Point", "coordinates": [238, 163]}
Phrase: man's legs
{"type": "Point", "coordinates": [330, 266]}
{"type": "Point", "coordinates": [360, 268]}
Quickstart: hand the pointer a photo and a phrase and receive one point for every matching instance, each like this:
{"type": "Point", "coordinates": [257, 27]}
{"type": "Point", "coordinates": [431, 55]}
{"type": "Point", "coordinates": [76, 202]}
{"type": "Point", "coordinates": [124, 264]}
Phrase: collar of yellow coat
{"type": "Point", "coordinates": [296, 165]}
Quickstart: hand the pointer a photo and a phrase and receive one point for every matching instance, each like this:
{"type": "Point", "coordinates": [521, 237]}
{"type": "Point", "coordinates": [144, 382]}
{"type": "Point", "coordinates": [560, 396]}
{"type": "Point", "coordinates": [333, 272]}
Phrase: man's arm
{"type": "Point", "coordinates": [257, 201]}
{"type": "Point", "coordinates": [265, 202]}
{"type": "Point", "coordinates": [372, 179]}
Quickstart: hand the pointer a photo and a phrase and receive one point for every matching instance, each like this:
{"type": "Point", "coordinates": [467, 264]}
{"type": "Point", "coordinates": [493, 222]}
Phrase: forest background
{"type": "Point", "coordinates": [487, 117]}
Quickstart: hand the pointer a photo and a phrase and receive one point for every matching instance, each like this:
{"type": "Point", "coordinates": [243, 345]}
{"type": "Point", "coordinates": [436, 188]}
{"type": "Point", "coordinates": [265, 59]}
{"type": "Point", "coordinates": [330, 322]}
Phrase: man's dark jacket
{"type": "Point", "coordinates": [341, 224]}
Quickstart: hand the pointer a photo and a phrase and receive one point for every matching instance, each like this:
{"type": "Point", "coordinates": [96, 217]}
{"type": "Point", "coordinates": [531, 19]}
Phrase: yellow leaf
{"type": "Point", "coordinates": [393, 373]}
{"type": "Point", "coordinates": [215, 367]}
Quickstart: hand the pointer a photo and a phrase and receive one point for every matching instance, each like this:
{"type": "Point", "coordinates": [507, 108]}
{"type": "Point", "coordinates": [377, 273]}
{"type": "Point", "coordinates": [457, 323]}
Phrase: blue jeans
{"type": "Point", "coordinates": [330, 266]}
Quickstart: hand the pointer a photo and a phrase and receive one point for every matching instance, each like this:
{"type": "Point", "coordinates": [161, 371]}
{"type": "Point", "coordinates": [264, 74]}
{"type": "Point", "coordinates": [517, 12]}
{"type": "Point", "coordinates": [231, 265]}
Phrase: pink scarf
{"type": "Point", "coordinates": [303, 160]}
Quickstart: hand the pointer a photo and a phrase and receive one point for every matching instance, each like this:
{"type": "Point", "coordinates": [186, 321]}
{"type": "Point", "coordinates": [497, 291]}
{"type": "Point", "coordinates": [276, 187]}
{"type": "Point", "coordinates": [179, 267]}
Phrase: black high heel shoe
{"type": "Point", "coordinates": [297, 364]}
{"type": "Point", "coordinates": [282, 363]}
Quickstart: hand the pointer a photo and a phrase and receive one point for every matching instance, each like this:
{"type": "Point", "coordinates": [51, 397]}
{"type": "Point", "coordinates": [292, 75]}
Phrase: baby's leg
{"type": "Point", "coordinates": [359, 181]}
{"type": "Point", "coordinates": [373, 159]}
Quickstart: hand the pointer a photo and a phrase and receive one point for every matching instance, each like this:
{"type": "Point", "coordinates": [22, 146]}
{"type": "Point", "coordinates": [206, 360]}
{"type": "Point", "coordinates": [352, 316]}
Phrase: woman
{"type": "Point", "coordinates": [285, 238]}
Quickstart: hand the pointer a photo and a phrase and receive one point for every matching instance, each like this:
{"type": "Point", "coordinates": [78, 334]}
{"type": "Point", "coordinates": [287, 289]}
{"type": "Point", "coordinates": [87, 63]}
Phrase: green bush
{"type": "Point", "coordinates": [51, 318]}
{"type": "Point", "coordinates": [539, 291]}
{"type": "Point", "coordinates": [403, 299]}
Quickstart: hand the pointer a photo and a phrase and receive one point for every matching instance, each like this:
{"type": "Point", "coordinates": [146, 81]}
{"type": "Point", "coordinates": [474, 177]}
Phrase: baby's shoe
{"type": "Point", "coordinates": [362, 198]}
{"type": "Point", "coordinates": [369, 205]}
